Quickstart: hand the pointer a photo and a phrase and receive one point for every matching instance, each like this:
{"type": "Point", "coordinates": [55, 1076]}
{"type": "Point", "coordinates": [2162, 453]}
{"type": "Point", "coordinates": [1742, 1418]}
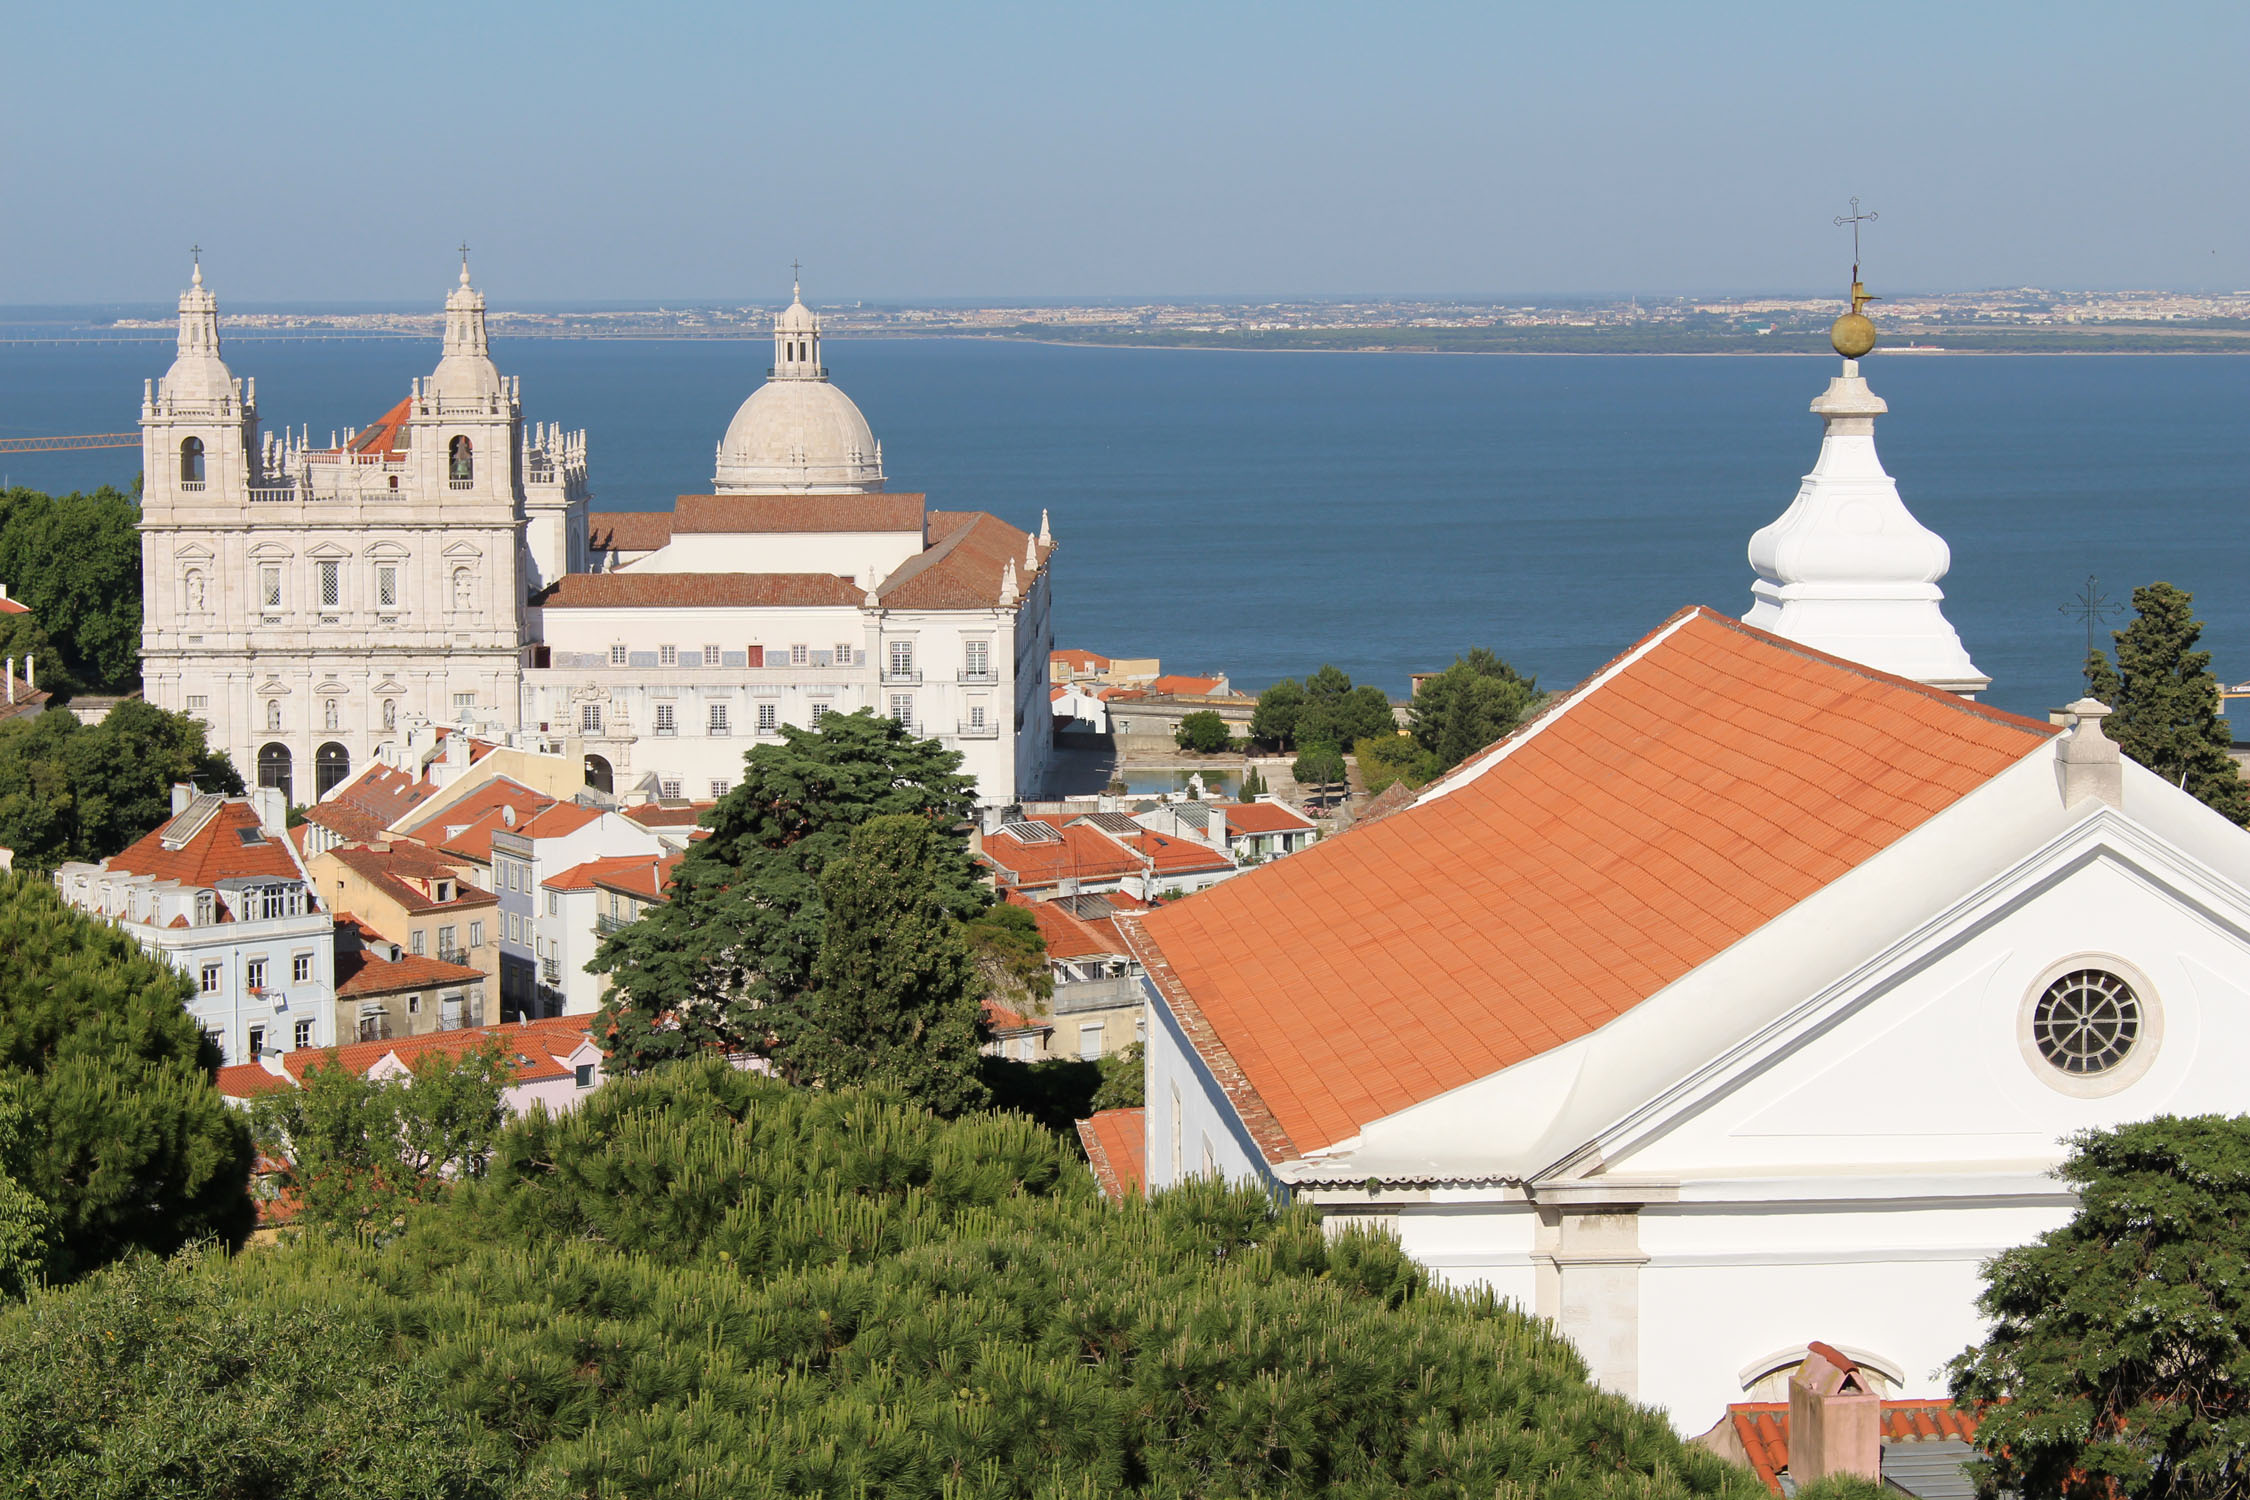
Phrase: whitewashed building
{"type": "Point", "coordinates": [311, 604]}
{"type": "Point", "coordinates": [1744, 998]}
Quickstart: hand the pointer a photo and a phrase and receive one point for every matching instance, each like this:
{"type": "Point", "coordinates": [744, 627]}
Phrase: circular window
{"type": "Point", "coordinates": [2086, 1022]}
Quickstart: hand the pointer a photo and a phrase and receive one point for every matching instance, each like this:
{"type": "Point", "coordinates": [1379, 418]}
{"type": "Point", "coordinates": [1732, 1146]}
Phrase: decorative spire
{"type": "Point", "coordinates": [464, 263]}
{"type": "Point", "coordinates": [1846, 568]}
{"type": "Point", "coordinates": [1030, 555]}
{"type": "Point", "coordinates": [197, 252]}
{"type": "Point", "coordinates": [1009, 593]}
{"type": "Point", "coordinates": [1046, 537]}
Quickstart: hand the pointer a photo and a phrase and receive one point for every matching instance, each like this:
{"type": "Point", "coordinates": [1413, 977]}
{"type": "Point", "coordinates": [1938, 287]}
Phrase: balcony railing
{"type": "Point", "coordinates": [898, 677]}
{"type": "Point", "coordinates": [968, 675]}
{"type": "Point", "coordinates": [605, 923]}
{"type": "Point", "coordinates": [985, 731]}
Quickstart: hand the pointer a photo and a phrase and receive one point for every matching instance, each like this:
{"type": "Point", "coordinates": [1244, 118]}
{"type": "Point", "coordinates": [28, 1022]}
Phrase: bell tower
{"type": "Point", "coordinates": [199, 425]}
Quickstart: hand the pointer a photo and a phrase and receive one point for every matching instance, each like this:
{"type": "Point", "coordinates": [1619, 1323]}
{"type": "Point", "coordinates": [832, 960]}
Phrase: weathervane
{"type": "Point", "coordinates": [1854, 333]}
{"type": "Point", "coordinates": [2093, 606]}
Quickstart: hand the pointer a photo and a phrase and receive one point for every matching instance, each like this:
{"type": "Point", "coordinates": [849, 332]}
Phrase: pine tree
{"type": "Point", "coordinates": [744, 922]}
{"type": "Point", "coordinates": [2165, 701]}
{"type": "Point", "coordinates": [894, 998]}
{"type": "Point", "coordinates": [1469, 705]}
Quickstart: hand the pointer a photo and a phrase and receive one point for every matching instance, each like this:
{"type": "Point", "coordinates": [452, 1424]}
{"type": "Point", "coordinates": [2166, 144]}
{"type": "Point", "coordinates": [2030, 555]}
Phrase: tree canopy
{"type": "Point", "coordinates": [2165, 700]}
{"type": "Point", "coordinates": [119, 1129]}
{"type": "Point", "coordinates": [703, 1282]}
{"type": "Point", "coordinates": [1319, 765]}
{"type": "Point", "coordinates": [75, 561]}
{"type": "Point", "coordinates": [1203, 731]}
{"type": "Point", "coordinates": [1386, 758]}
{"type": "Point", "coordinates": [76, 791]}
{"type": "Point", "coordinates": [2114, 1366]}
{"type": "Point", "coordinates": [745, 922]}
{"type": "Point", "coordinates": [1468, 706]}
{"type": "Point", "coordinates": [1324, 709]}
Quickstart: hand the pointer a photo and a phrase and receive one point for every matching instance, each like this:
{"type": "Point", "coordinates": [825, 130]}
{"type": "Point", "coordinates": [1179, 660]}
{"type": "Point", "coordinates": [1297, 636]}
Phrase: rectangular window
{"type": "Point", "coordinates": [977, 657]}
{"type": "Point", "coordinates": [269, 585]}
{"type": "Point", "coordinates": [617, 656]}
{"type": "Point", "coordinates": [819, 712]}
{"type": "Point", "coordinates": [799, 655]}
{"type": "Point", "coordinates": [669, 789]}
{"type": "Point", "coordinates": [463, 702]}
{"type": "Point", "coordinates": [419, 943]}
{"type": "Point", "coordinates": [476, 934]}
{"type": "Point", "coordinates": [386, 585]}
{"type": "Point", "coordinates": [844, 653]}
{"type": "Point", "coordinates": [590, 718]}
{"type": "Point", "coordinates": [902, 709]}
{"type": "Point", "coordinates": [447, 948]}
{"type": "Point", "coordinates": [254, 973]}
{"type": "Point", "coordinates": [1090, 1042]}
{"type": "Point", "coordinates": [665, 722]}
{"type": "Point", "coordinates": [718, 787]}
{"type": "Point", "coordinates": [213, 977]}
{"type": "Point", "coordinates": [710, 656]}
{"type": "Point", "coordinates": [302, 1034]}
{"type": "Point", "coordinates": [667, 656]}
{"type": "Point", "coordinates": [583, 1074]}
{"type": "Point", "coordinates": [413, 1005]}
{"type": "Point", "coordinates": [198, 703]}
{"type": "Point", "coordinates": [769, 715]}
{"type": "Point", "coordinates": [257, 1040]}
{"type": "Point", "coordinates": [902, 658]}
{"type": "Point", "coordinates": [300, 969]}
{"type": "Point", "coordinates": [976, 716]}
{"type": "Point", "coordinates": [554, 904]}
{"type": "Point", "coordinates": [717, 716]}
{"type": "Point", "coordinates": [331, 584]}
{"type": "Point", "coordinates": [515, 928]}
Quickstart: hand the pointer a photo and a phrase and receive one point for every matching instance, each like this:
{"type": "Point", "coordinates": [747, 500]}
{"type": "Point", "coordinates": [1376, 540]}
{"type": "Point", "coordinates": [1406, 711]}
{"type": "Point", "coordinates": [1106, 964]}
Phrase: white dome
{"type": "Point", "coordinates": [798, 435]}
{"type": "Point", "coordinates": [464, 377]}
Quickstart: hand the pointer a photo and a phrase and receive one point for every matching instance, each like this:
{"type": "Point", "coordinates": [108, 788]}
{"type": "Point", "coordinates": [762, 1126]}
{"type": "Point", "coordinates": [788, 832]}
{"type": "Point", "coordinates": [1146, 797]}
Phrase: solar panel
{"type": "Point", "coordinates": [1093, 908]}
{"type": "Point", "coordinates": [1032, 833]}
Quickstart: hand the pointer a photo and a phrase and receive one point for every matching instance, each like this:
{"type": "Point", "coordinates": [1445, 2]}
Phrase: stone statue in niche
{"type": "Point", "coordinates": [195, 591]}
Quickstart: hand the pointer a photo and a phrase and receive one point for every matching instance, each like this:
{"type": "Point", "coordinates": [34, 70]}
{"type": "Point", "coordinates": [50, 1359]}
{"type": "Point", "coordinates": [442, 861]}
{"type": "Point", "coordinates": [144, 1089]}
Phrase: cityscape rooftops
{"type": "Point", "coordinates": [213, 839]}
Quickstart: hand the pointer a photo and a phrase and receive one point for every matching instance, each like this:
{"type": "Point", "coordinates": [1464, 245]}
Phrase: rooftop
{"type": "Point", "coordinates": [1116, 1144]}
{"type": "Point", "coordinates": [817, 513]}
{"type": "Point", "coordinates": [215, 839]}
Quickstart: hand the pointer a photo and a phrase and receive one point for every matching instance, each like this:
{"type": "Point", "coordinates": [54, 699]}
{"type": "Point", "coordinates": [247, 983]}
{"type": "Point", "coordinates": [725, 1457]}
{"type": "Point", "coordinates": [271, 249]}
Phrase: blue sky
{"type": "Point", "coordinates": [689, 151]}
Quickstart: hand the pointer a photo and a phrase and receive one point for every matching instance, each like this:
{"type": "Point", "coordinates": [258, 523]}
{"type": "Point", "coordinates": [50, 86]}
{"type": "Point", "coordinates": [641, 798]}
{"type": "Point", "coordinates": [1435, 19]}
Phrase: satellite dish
{"type": "Point", "coordinates": [508, 816]}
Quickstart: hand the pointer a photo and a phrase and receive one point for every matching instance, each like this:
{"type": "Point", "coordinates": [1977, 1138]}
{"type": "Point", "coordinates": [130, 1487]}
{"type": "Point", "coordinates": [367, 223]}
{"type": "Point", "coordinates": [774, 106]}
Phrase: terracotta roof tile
{"type": "Point", "coordinates": [698, 590]}
{"type": "Point", "coordinates": [1187, 687]}
{"type": "Point", "coordinates": [1081, 854]}
{"type": "Point", "coordinates": [1264, 817]}
{"type": "Point", "coordinates": [249, 1080]}
{"type": "Point", "coordinates": [649, 879]}
{"type": "Point", "coordinates": [969, 552]}
{"type": "Point", "coordinates": [628, 530]}
{"type": "Point", "coordinates": [1079, 661]}
{"type": "Point", "coordinates": [769, 513]}
{"type": "Point", "coordinates": [633, 871]}
{"type": "Point", "coordinates": [228, 847]}
{"type": "Point", "coordinates": [395, 868]}
{"type": "Point", "coordinates": [537, 1047]}
{"type": "Point", "coordinates": [361, 972]}
{"type": "Point", "coordinates": [383, 436]}
{"type": "Point", "coordinates": [1116, 1143]}
{"type": "Point", "coordinates": [657, 815]}
{"type": "Point", "coordinates": [1762, 1427]}
{"type": "Point", "coordinates": [1574, 870]}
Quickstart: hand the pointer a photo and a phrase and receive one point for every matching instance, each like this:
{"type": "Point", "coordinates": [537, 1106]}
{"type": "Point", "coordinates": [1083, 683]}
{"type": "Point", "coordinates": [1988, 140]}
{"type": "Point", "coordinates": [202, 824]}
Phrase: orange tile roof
{"type": "Point", "coordinates": [361, 972]}
{"type": "Point", "coordinates": [218, 851]}
{"type": "Point", "coordinates": [1187, 687]}
{"type": "Point", "coordinates": [363, 807]}
{"type": "Point", "coordinates": [1263, 817]}
{"type": "Point", "coordinates": [393, 869]}
{"type": "Point", "coordinates": [1079, 661]}
{"type": "Point", "coordinates": [1069, 936]}
{"type": "Point", "coordinates": [656, 815]}
{"type": "Point", "coordinates": [608, 870]}
{"type": "Point", "coordinates": [25, 699]}
{"type": "Point", "coordinates": [1116, 1143]}
{"type": "Point", "coordinates": [769, 513]}
{"type": "Point", "coordinates": [698, 590]}
{"type": "Point", "coordinates": [1699, 787]}
{"type": "Point", "coordinates": [1081, 854]}
{"type": "Point", "coordinates": [962, 567]}
{"type": "Point", "coordinates": [557, 821]}
{"type": "Point", "coordinates": [537, 1047]}
{"type": "Point", "coordinates": [1762, 1427]}
{"type": "Point", "coordinates": [249, 1080]}
{"type": "Point", "coordinates": [628, 530]}
{"type": "Point", "coordinates": [10, 606]}
{"type": "Point", "coordinates": [1172, 856]}
{"type": "Point", "coordinates": [998, 1017]}
{"type": "Point", "coordinates": [641, 876]}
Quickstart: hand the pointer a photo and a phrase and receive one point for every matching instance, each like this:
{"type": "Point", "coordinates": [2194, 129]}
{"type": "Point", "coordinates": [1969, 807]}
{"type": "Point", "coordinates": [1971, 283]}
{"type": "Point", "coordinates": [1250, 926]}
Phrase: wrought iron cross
{"type": "Point", "coordinates": [465, 248]}
{"type": "Point", "coordinates": [197, 252]}
{"type": "Point", "coordinates": [1855, 218]}
{"type": "Point", "coordinates": [2093, 606]}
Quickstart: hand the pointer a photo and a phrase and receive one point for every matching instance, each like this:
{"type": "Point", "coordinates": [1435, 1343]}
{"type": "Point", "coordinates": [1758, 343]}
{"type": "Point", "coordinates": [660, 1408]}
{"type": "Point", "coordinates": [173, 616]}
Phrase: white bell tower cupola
{"type": "Point", "coordinates": [796, 340]}
{"type": "Point", "coordinates": [465, 419]}
{"type": "Point", "coordinates": [1847, 569]}
{"type": "Point", "coordinates": [199, 424]}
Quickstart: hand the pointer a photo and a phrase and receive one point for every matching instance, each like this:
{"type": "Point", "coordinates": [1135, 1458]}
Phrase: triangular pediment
{"type": "Point", "coordinates": [464, 551]}
{"type": "Point", "coordinates": [192, 552]}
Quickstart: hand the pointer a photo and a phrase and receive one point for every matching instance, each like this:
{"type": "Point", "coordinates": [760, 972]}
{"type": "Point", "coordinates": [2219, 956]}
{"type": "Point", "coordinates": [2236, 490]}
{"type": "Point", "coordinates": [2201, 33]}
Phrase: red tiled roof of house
{"type": "Point", "coordinates": [962, 567]}
{"type": "Point", "coordinates": [698, 590]}
{"type": "Point", "coordinates": [228, 847]}
{"type": "Point", "coordinates": [1079, 661]}
{"type": "Point", "coordinates": [584, 877]}
{"type": "Point", "coordinates": [466, 827]}
{"type": "Point", "coordinates": [537, 1047]}
{"type": "Point", "coordinates": [998, 1017]}
{"type": "Point", "coordinates": [1397, 797]}
{"type": "Point", "coordinates": [1187, 687]}
{"type": "Point", "coordinates": [641, 876]}
{"type": "Point", "coordinates": [10, 606]}
{"type": "Point", "coordinates": [1116, 1143]}
{"type": "Point", "coordinates": [1172, 856]}
{"type": "Point", "coordinates": [1762, 1427]}
{"type": "Point", "coordinates": [1697, 788]}
{"type": "Point", "coordinates": [394, 869]}
{"type": "Point", "coordinates": [23, 699]}
{"type": "Point", "coordinates": [1263, 817]}
{"type": "Point", "coordinates": [769, 513]}
{"type": "Point", "coordinates": [628, 530]}
{"type": "Point", "coordinates": [1080, 854]}
{"type": "Point", "coordinates": [1070, 936]}
{"type": "Point", "coordinates": [249, 1080]}
{"type": "Point", "coordinates": [368, 804]}
{"type": "Point", "coordinates": [382, 437]}
{"type": "Point", "coordinates": [364, 973]}
{"type": "Point", "coordinates": [657, 815]}
{"type": "Point", "coordinates": [556, 821]}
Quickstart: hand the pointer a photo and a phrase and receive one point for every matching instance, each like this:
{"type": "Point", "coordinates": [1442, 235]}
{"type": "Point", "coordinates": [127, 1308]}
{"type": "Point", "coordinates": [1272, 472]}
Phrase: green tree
{"type": "Point", "coordinates": [1203, 731]}
{"type": "Point", "coordinates": [2114, 1363]}
{"type": "Point", "coordinates": [2166, 702]}
{"type": "Point", "coordinates": [1386, 758]}
{"type": "Point", "coordinates": [1253, 786]}
{"type": "Point", "coordinates": [744, 922]}
{"type": "Point", "coordinates": [21, 637]}
{"type": "Point", "coordinates": [27, 1225]}
{"type": "Point", "coordinates": [1005, 941]}
{"type": "Point", "coordinates": [75, 791]}
{"type": "Point", "coordinates": [1274, 720]}
{"type": "Point", "coordinates": [894, 998]}
{"type": "Point", "coordinates": [1124, 1079]}
{"type": "Point", "coordinates": [1469, 705]}
{"type": "Point", "coordinates": [362, 1152]}
{"type": "Point", "coordinates": [75, 562]}
{"type": "Point", "coordinates": [1319, 766]}
{"type": "Point", "coordinates": [1362, 713]}
{"type": "Point", "coordinates": [122, 1134]}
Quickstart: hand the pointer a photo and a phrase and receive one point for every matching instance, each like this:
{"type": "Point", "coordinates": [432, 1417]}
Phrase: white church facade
{"type": "Point", "coordinates": [443, 565]}
{"type": "Point", "coordinates": [1744, 998]}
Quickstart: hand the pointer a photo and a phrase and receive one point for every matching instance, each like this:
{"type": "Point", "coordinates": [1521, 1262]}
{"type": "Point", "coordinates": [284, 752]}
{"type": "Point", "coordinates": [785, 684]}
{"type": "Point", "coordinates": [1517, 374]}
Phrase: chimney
{"type": "Point", "coordinates": [30, 670]}
{"type": "Point", "coordinates": [1835, 1419]}
{"type": "Point", "coordinates": [2087, 762]}
{"type": "Point", "coordinates": [273, 810]}
{"type": "Point", "coordinates": [182, 795]}
{"type": "Point", "coordinates": [10, 676]}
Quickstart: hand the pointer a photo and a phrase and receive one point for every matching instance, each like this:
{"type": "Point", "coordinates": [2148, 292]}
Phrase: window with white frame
{"type": "Point", "coordinates": [844, 653]}
{"type": "Point", "coordinates": [718, 787]}
{"type": "Point", "coordinates": [331, 583]}
{"type": "Point", "coordinates": [617, 656]}
{"type": "Point", "coordinates": [590, 718]}
{"type": "Point", "coordinates": [667, 656]}
{"type": "Point", "coordinates": [669, 788]}
{"type": "Point", "coordinates": [799, 655]}
{"type": "Point", "coordinates": [554, 904]}
{"type": "Point", "coordinates": [300, 968]}
{"type": "Point", "coordinates": [666, 722]}
{"type": "Point", "coordinates": [254, 973]}
{"type": "Point", "coordinates": [819, 712]}
{"type": "Point", "coordinates": [198, 703]}
{"type": "Point", "coordinates": [418, 943]}
{"type": "Point", "coordinates": [976, 716]}
{"type": "Point", "coordinates": [902, 708]}
{"type": "Point", "coordinates": [213, 977]}
{"type": "Point", "coordinates": [902, 658]}
{"type": "Point", "coordinates": [386, 585]}
{"type": "Point", "coordinates": [769, 716]}
{"type": "Point", "coordinates": [715, 718]}
{"type": "Point", "coordinates": [1090, 1041]}
{"type": "Point", "coordinates": [269, 585]}
{"type": "Point", "coordinates": [303, 1034]}
{"type": "Point", "coordinates": [463, 702]}
{"type": "Point", "coordinates": [710, 656]}
{"type": "Point", "coordinates": [977, 658]}
{"type": "Point", "coordinates": [476, 934]}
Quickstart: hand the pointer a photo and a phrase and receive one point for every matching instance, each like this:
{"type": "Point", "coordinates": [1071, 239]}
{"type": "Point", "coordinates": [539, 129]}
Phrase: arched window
{"type": "Point", "coordinates": [273, 769]}
{"type": "Point", "coordinates": [331, 764]}
{"type": "Point", "coordinates": [597, 773]}
{"type": "Point", "coordinates": [191, 460]}
{"type": "Point", "coordinates": [461, 461]}
{"type": "Point", "coordinates": [273, 715]}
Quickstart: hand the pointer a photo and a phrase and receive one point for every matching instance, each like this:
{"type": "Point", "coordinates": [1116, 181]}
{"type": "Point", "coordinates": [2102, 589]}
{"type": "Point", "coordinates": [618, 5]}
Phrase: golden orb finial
{"type": "Point", "coordinates": [1853, 334]}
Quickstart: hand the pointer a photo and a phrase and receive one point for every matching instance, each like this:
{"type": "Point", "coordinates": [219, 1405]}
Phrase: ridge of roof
{"type": "Point", "coordinates": [1572, 871]}
{"type": "Point", "coordinates": [763, 514]}
{"type": "Point", "coordinates": [638, 590]}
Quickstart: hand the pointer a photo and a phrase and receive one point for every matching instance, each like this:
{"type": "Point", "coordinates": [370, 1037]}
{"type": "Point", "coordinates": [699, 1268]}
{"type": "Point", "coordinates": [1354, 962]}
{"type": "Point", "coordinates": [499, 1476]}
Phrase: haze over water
{"type": "Point", "coordinates": [1263, 513]}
